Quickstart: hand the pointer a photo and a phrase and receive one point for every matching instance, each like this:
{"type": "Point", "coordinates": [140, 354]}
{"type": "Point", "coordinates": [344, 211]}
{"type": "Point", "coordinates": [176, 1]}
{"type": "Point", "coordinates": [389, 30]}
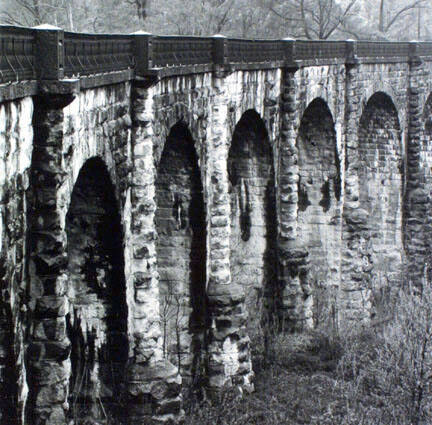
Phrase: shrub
{"type": "Point", "coordinates": [387, 369]}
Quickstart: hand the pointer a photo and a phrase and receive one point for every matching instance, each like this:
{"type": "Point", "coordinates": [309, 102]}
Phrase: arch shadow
{"type": "Point", "coordinates": [181, 254]}
{"type": "Point", "coordinates": [253, 245]}
{"type": "Point", "coordinates": [381, 177]}
{"type": "Point", "coordinates": [318, 226]}
{"type": "Point", "coordinates": [97, 322]}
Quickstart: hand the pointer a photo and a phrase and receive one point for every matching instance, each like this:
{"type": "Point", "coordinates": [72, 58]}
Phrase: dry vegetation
{"type": "Point", "coordinates": [370, 375]}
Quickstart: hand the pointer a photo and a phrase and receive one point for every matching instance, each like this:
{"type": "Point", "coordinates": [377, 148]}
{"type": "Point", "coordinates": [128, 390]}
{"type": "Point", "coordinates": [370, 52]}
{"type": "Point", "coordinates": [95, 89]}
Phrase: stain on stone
{"type": "Point", "coordinates": [318, 166]}
{"type": "Point", "coordinates": [337, 179]}
{"type": "Point", "coordinates": [179, 212]}
{"type": "Point", "coordinates": [97, 326]}
{"type": "Point", "coordinates": [303, 200]}
{"type": "Point", "coordinates": [253, 215]}
{"type": "Point", "coordinates": [245, 210]}
{"type": "Point", "coordinates": [380, 184]}
{"type": "Point", "coordinates": [427, 118]}
{"type": "Point", "coordinates": [9, 375]}
{"type": "Point", "coordinates": [181, 253]}
{"type": "Point", "coordinates": [325, 201]}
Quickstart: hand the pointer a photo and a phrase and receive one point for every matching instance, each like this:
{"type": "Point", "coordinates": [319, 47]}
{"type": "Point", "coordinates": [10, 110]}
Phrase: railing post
{"type": "Point", "coordinates": [289, 52]}
{"type": "Point", "coordinates": [143, 52]}
{"type": "Point", "coordinates": [220, 50]}
{"type": "Point", "coordinates": [351, 52]}
{"type": "Point", "coordinates": [49, 61]}
{"type": "Point", "coordinates": [414, 51]}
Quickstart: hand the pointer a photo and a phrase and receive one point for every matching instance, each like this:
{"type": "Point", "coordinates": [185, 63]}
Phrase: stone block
{"type": "Point", "coordinates": [51, 306]}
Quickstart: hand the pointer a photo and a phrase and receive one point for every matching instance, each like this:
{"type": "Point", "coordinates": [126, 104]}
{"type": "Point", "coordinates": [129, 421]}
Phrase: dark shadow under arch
{"type": "Point", "coordinates": [427, 118]}
{"type": "Point", "coordinates": [381, 177]}
{"type": "Point", "coordinates": [97, 323]}
{"type": "Point", "coordinates": [253, 217]}
{"type": "Point", "coordinates": [319, 193]}
{"type": "Point", "coordinates": [181, 253]}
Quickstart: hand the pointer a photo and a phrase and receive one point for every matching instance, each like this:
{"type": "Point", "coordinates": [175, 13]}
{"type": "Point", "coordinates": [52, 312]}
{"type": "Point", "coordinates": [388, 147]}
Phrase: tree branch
{"type": "Point", "coordinates": [401, 12]}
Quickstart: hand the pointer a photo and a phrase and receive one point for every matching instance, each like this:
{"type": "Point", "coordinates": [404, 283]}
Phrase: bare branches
{"type": "Point", "coordinates": [141, 8]}
{"type": "Point", "coordinates": [398, 14]}
{"type": "Point", "coordinates": [318, 18]}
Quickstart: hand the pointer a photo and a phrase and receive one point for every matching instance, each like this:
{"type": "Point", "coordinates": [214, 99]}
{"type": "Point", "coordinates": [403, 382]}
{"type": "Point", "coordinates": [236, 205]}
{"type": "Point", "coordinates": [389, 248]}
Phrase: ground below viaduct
{"type": "Point", "coordinates": [164, 199]}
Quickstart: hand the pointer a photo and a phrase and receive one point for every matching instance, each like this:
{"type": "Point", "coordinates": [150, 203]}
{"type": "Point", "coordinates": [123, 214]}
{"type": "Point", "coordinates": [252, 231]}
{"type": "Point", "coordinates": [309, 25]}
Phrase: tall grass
{"type": "Point", "coordinates": [376, 374]}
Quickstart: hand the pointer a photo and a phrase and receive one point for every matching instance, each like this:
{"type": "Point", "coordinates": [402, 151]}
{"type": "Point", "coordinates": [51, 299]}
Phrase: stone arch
{"type": "Point", "coordinates": [181, 253]}
{"type": "Point", "coordinates": [195, 121]}
{"type": "Point", "coordinates": [253, 215]}
{"type": "Point", "coordinates": [318, 213]}
{"type": "Point", "coordinates": [318, 92]}
{"type": "Point", "coordinates": [380, 174]}
{"type": "Point", "coordinates": [97, 320]}
{"type": "Point", "coordinates": [384, 87]}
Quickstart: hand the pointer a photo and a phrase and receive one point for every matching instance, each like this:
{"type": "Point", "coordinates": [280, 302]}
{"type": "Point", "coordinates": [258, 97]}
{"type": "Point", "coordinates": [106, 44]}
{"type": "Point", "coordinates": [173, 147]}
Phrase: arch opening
{"type": "Point", "coordinates": [318, 223]}
{"type": "Point", "coordinates": [97, 322]}
{"type": "Point", "coordinates": [181, 253]}
{"type": "Point", "coordinates": [253, 217]}
{"type": "Point", "coordinates": [381, 178]}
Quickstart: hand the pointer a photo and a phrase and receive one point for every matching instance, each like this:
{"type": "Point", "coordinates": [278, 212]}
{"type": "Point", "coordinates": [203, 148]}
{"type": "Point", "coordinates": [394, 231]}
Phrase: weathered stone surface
{"type": "Point", "coordinates": [291, 194]}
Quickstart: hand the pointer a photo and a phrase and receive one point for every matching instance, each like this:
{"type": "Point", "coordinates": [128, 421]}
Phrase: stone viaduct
{"type": "Point", "coordinates": [165, 199]}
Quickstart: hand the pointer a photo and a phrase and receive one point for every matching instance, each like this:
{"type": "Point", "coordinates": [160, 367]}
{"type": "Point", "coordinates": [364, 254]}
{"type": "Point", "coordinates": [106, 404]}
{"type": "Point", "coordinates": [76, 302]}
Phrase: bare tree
{"type": "Point", "coordinates": [36, 12]}
{"type": "Point", "coordinates": [389, 16]}
{"type": "Point", "coordinates": [141, 8]}
{"type": "Point", "coordinates": [397, 20]}
{"type": "Point", "coordinates": [313, 19]}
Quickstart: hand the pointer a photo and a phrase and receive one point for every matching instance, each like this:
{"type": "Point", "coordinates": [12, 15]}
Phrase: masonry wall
{"type": "Point", "coordinates": [253, 218]}
{"type": "Point", "coordinates": [381, 173]}
{"type": "Point", "coordinates": [318, 216]}
{"type": "Point", "coordinates": [96, 324]}
{"type": "Point", "coordinates": [181, 254]}
{"type": "Point", "coordinates": [236, 94]}
{"type": "Point", "coordinates": [297, 193]}
{"type": "Point", "coordinates": [16, 144]}
{"type": "Point", "coordinates": [67, 132]}
{"type": "Point", "coordinates": [366, 268]}
{"type": "Point", "coordinates": [418, 200]}
{"type": "Point", "coordinates": [311, 185]}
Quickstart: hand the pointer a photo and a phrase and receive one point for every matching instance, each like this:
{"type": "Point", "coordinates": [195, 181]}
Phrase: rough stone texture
{"type": "Point", "coordinates": [230, 362]}
{"type": "Point", "coordinates": [97, 319]}
{"type": "Point", "coordinates": [253, 218]}
{"type": "Point", "coordinates": [181, 104]}
{"type": "Point", "coordinates": [181, 254]}
{"type": "Point", "coordinates": [301, 192]}
{"type": "Point", "coordinates": [16, 144]}
{"type": "Point", "coordinates": [47, 354]}
{"type": "Point", "coordinates": [355, 294]}
{"type": "Point", "coordinates": [380, 186]}
{"type": "Point", "coordinates": [417, 205]}
{"type": "Point", "coordinates": [146, 403]}
{"type": "Point", "coordinates": [318, 214]}
{"type": "Point", "coordinates": [306, 88]}
{"type": "Point", "coordinates": [375, 140]}
{"type": "Point", "coordinates": [68, 132]}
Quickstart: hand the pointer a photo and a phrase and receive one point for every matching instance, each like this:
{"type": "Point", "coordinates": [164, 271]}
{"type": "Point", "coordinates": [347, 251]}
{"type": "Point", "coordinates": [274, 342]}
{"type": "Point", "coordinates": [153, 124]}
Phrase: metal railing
{"type": "Point", "coordinates": [307, 50]}
{"type": "Point", "coordinates": [379, 49]}
{"type": "Point", "coordinates": [179, 51]}
{"type": "Point", "coordinates": [425, 48]}
{"type": "Point", "coordinates": [255, 51]}
{"type": "Point", "coordinates": [29, 54]}
{"type": "Point", "coordinates": [86, 54]}
{"type": "Point", "coordinates": [17, 54]}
